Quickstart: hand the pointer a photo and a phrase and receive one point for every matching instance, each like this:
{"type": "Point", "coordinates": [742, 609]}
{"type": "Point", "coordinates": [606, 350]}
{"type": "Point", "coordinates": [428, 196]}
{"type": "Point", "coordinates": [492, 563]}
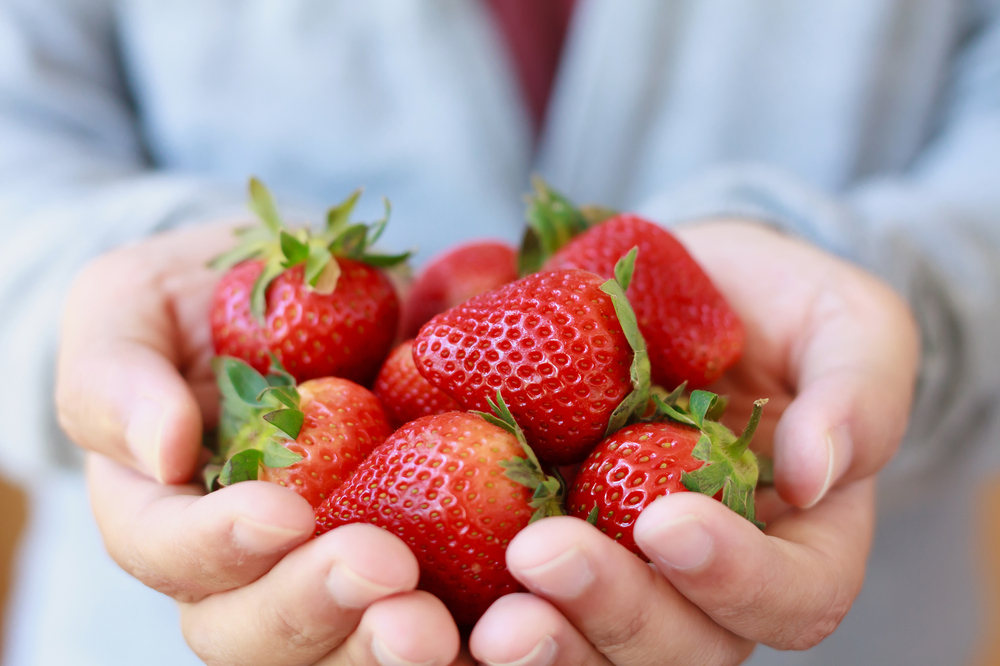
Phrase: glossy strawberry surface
{"type": "Point", "coordinates": [344, 334]}
{"type": "Point", "coordinates": [551, 343]}
{"type": "Point", "coordinates": [456, 276]}
{"type": "Point", "coordinates": [437, 484]}
{"type": "Point", "coordinates": [234, 331]}
{"type": "Point", "coordinates": [405, 393]}
{"type": "Point", "coordinates": [691, 332]}
{"type": "Point", "coordinates": [342, 424]}
{"type": "Point", "coordinates": [629, 470]}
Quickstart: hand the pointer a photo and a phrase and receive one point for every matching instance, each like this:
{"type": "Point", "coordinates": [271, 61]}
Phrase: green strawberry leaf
{"type": "Point", "coordinates": [262, 203]}
{"type": "Point", "coordinates": [592, 516]}
{"type": "Point", "coordinates": [553, 221]}
{"type": "Point", "coordinates": [317, 259]}
{"type": "Point", "coordinates": [385, 260]}
{"type": "Point", "coordinates": [338, 216]}
{"type": "Point", "coordinates": [376, 228]}
{"type": "Point", "coordinates": [277, 375]}
{"type": "Point", "coordinates": [699, 405]}
{"type": "Point", "coordinates": [243, 466]}
{"type": "Point", "coordinates": [352, 241]}
{"type": "Point", "coordinates": [286, 395]}
{"type": "Point", "coordinates": [210, 475]}
{"type": "Point", "coordinates": [258, 295]}
{"type": "Point", "coordinates": [703, 449]}
{"type": "Point", "coordinates": [277, 456]}
{"type": "Point", "coordinates": [289, 421]}
{"type": "Point", "coordinates": [708, 480]}
{"type": "Point", "coordinates": [635, 403]}
{"type": "Point", "coordinates": [238, 254]}
{"type": "Point", "coordinates": [247, 384]}
{"type": "Point", "coordinates": [294, 249]}
{"type": "Point", "coordinates": [625, 267]}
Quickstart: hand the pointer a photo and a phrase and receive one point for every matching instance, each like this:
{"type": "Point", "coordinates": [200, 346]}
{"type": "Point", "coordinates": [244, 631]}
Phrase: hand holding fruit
{"type": "Point", "coordinates": [136, 388]}
{"type": "Point", "coordinates": [833, 349]}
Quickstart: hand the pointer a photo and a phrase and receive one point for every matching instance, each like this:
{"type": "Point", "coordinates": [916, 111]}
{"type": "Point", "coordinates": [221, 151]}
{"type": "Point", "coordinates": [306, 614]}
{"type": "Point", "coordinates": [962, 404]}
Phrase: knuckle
{"type": "Point", "coordinates": [290, 629]}
{"type": "Point", "coordinates": [623, 635]}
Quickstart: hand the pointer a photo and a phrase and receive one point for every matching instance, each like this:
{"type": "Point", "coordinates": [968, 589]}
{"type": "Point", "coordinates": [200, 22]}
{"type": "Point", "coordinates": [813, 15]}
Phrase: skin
{"type": "Point", "coordinates": [834, 349]}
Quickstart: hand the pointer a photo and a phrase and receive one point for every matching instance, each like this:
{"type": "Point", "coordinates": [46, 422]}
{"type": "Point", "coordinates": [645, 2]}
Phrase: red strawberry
{"type": "Point", "coordinates": [691, 332]}
{"type": "Point", "coordinates": [405, 393]}
{"type": "Point", "coordinates": [319, 302]}
{"type": "Point", "coordinates": [308, 438]}
{"type": "Point", "coordinates": [453, 278]}
{"type": "Point", "coordinates": [234, 330]}
{"type": "Point", "coordinates": [553, 344]}
{"type": "Point", "coordinates": [455, 488]}
{"type": "Point", "coordinates": [644, 461]}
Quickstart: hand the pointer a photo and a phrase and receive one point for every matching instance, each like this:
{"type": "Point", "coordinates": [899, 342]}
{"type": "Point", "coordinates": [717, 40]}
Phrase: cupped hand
{"type": "Point", "coordinates": [135, 389]}
{"type": "Point", "coordinates": [836, 352]}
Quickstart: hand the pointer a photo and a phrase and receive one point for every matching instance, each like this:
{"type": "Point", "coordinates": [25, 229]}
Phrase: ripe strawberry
{"type": "Point", "coordinates": [455, 488]}
{"type": "Point", "coordinates": [644, 461]}
{"type": "Point", "coordinates": [456, 276]}
{"type": "Point", "coordinates": [691, 332]}
{"type": "Point", "coordinates": [319, 302]}
{"type": "Point", "coordinates": [555, 345]}
{"type": "Point", "coordinates": [308, 438]}
{"type": "Point", "coordinates": [405, 393]}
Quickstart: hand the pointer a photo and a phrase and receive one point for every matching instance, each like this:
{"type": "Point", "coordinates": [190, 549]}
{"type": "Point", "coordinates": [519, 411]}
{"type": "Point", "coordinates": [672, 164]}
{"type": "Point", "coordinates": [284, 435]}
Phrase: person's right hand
{"type": "Point", "coordinates": [135, 389]}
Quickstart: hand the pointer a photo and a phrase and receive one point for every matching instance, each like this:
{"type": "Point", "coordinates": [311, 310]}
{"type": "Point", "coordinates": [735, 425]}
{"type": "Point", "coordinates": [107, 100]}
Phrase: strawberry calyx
{"type": "Point", "coordinates": [280, 248]}
{"type": "Point", "coordinates": [549, 491]}
{"type": "Point", "coordinates": [260, 414]}
{"type": "Point", "coordinates": [730, 466]}
{"type": "Point", "coordinates": [635, 403]}
{"type": "Point", "coordinates": [553, 221]}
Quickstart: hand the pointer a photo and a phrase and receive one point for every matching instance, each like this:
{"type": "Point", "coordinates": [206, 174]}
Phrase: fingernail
{"type": "Point", "coordinates": [838, 449]}
{"type": "Point", "coordinates": [682, 543]}
{"type": "Point", "coordinates": [143, 434]}
{"type": "Point", "coordinates": [565, 576]}
{"type": "Point", "coordinates": [542, 654]}
{"type": "Point", "coordinates": [262, 538]}
{"type": "Point", "coordinates": [350, 590]}
{"type": "Point", "coordinates": [387, 657]}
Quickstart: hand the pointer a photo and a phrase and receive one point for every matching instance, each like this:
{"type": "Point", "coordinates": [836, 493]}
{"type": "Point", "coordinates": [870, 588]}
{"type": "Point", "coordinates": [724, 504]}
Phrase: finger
{"type": "Point", "coordinates": [788, 588]}
{"type": "Point", "coordinates": [186, 544]}
{"type": "Point", "coordinates": [524, 630]}
{"type": "Point", "coordinates": [308, 603]}
{"type": "Point", "coordinates": [120, 389]}
{"type": "Point", "coordinates": [617, 602]}
{"type": "Point", "coordinates": [855, 375]}
{"type": "Point", "coordinates": [406, 630]}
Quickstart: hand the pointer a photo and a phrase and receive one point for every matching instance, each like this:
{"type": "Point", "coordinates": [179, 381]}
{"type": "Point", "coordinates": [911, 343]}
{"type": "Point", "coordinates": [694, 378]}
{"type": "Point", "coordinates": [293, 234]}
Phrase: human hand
{"type": "Point", "coordinates": [836, 352]}
{"type": "Point", "coordinates": [135, 389]}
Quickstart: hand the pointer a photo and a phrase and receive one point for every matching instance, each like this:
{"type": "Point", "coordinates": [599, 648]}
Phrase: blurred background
{"type": "Point", "coordinates": [869, 127]}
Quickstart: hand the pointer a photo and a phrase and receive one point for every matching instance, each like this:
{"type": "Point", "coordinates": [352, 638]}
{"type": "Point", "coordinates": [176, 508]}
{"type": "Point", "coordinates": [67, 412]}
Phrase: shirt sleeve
{"type": "Point", "coordinates": [74, 180]}
{"type": "Point", "coordinates": [932, 231]}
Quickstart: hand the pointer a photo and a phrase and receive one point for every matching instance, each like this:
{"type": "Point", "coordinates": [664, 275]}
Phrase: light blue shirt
{"type": "Point", "coordinates": [870, 127]}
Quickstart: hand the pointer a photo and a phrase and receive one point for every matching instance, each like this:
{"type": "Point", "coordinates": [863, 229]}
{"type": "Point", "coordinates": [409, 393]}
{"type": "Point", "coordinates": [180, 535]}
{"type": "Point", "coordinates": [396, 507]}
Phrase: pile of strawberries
{"type": "Point", "coordinates": [503, 385]}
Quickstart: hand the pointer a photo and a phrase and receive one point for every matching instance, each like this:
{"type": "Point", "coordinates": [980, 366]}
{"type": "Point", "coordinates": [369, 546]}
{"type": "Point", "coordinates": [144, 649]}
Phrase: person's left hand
{"type": "Point", "coordinates": [836, 352]}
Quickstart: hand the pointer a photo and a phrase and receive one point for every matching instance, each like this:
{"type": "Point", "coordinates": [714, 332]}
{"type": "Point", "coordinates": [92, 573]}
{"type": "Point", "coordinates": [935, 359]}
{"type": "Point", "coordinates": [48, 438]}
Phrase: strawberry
{"type": "Point", "coordinates": [319, 302]}
{"type": "Point", "coordinates": [692, 333]}
{"type": "Point", "coordinates": [405, 393]}
{"type": "Point", "coordinates": [454, 277]}
{"type": "Point", "coordinates": [455, 488]}
{"type": "Point", "coordinates": [680, 450]}
{"type": "Point", "coordinates": [561, 345]}
{"type": "Point", "coordinates": [308, 437]}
